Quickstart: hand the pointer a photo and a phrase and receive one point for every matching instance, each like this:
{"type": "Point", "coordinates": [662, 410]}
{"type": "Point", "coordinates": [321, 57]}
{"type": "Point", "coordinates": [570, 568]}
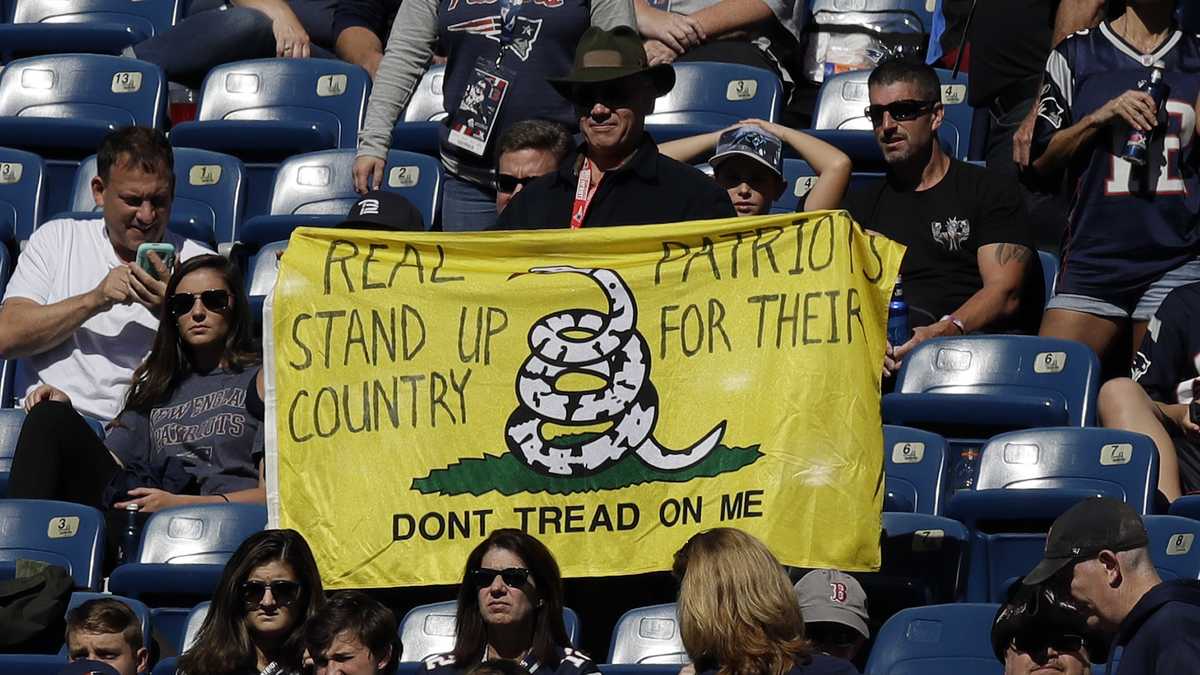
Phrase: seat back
{"type": "Point", "coordinates": [1173, 546]}
{"type": "Point", "coordinates": [936, 640]}
{"type": "Point", "coordinates": [1064, 371]}
{"type": "Point", "coordinates": [148, 18]}
{"type": "Point", "coordinates": [11, 420]}
{"type": "Point", "coordinates": [207, 533]}
{"type": "Point", "coordinates": [719, 94]}
{"type": "Point", "coordinates": [319, 183]}
{"type": "Point", "coordinates": [431, 629]}
{"type": "Point", "coordinates": [323, 92]}
{"type": "Point", "coordinates": [1049, 272]}
{"type": "Point", "coordinates": [111, 89]}
{"type": "Point", "coordinates": [191, 629]}
{"type": "Point", "coordinates": [426, 104]}
{"type": "Point", "coordinates": [800, 179]}
{"type": "Point", "coordinates": [264, 268]}
{"type": "Point", "coordinates": [61, 533]}
{"type": "Point", "coordinates": [915, 468]}
{"type": "Point", "coordinates": [1119, 464]}
{"type": "Point", "coordinates": [843, 98]}
{"type": "Point", "coordinates": [22, 178]}
{"type": "Point", "coordinates": [648, 635]}
{"type": "Point", "coordinates": [922, 562]}
{"type": "Point", "coordinates": [139, 609]}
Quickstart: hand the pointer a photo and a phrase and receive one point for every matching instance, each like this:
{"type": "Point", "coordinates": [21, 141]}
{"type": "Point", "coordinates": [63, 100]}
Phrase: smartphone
{"type": "Point", "coordinates": [165, 253]}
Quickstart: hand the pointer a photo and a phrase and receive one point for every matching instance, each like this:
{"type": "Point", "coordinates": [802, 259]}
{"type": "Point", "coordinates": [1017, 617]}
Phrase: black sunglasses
{"type": "Point", "coordinates": [215, 300]}
{"type": "Point", "coordinates": [508, 183]}
{"type": "Point", "coordinates": [515, 577]}
{"type": "Point", "coordinates": [284, 592]}
{"type": "Point", "coordinates": [1038, 644]}
{"type": "Point", "coordinates": [901, 111]}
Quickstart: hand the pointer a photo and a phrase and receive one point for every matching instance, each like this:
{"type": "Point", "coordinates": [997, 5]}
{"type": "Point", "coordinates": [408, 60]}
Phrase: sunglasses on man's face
{"type": "Point", "coordinates": [1038, 643]}
{"type": "Point", "coordinates": [514, 577]}
{"type": "Point", "coordinates": [901, 111]}
{"type": "Point", "coordinates": [282, 591]}
{"type": "Point", "coordinates": [215, 300]}
{"type": "Point", "coordinates": [509, 183]}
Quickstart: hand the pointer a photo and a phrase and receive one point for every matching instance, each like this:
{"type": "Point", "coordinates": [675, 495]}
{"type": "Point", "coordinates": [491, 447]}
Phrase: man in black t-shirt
{"type": "Point", "coordinates": [970, 264]}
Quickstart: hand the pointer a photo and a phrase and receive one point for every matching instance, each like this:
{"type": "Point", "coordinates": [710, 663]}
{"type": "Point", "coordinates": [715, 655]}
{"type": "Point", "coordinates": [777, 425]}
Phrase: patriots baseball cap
{"type": "Point", "coordinates": [752, 142]}
{"type": "Point", "coordinates": [88, 667]}
{"type": "Point", "coordinates": [835, 597]}
{"type": "Point", "coordinates": [383, 210]}
{"type": "Point", "coordinates": [1093, 525]}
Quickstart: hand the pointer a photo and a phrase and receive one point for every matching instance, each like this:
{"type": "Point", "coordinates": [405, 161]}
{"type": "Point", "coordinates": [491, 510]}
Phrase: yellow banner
{"type": "Point", "coordinates": [612, 391]}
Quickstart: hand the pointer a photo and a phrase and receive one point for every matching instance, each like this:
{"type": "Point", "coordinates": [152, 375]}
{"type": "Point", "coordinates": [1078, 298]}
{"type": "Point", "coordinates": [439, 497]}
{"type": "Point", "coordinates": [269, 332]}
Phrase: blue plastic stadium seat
{"type": "Point", "coordinates": [923, 561]}
{"type": "Point", "coordinates": [11, 420]}
{"type": "Point", "coordinates": [317, 189]}
{"type": "Point", "coordinates": [424, 117]}
{"type": "Point", "coordinates": [1029, 478]}
{"type": "Point", "coordinates": [63, 106]}
{"type": "Point", "coordinates": [36, 664]}
{"type": "Point", "coordinates": [22, 182]}
{"type": "Point", "coordinates": [1174, 546]}
{"type": "Point", "coordinates": [648, 635]}
{"type": "Point", "coordinates": [978, 385]}
{"type": "Point", "coordinates": [184, 551]}
{"type": "Point", "coordinates": [800, 179]}
{"type": "Point", "coordinates": [90, 26]}
{"type": "Point", "coordinates": [914, 467]}
{"type": "Point", "coordinates": [710, 96]}
{"type": "Point", "coordinates": [268, 109]}
{"type": "Point", "coordinates": [936, 640]}
{"type": "Point", "coordinates": [430, 629]}
{"type": "Point", "coordinates": [65, 534]}
{"type": "Point", "coordinates": [843, 99]}
{"type": "Point", "coordinates": [1049, 271]}
{"type": "Point", "coordinates": [1187, 506]}
{"type": "Point", "coordinates": [209, 192]}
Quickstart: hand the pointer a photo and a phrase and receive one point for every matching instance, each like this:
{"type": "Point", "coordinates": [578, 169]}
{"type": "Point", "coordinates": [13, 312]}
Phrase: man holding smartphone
{"type": "Point", "coordinates": [78, 306]}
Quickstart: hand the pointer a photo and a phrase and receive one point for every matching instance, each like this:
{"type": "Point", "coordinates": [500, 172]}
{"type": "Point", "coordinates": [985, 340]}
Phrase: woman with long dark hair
{"type": "Point", "coordinates": [255, 623]}
{"type": "Point", "coordinates": [187, 432]}
{"type": "Point", "coordinates": [510, 607]}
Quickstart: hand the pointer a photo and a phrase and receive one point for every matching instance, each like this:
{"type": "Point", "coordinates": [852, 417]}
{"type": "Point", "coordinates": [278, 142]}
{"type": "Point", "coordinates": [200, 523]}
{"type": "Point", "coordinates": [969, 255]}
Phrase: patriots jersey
{"type": "Point", "coordinates": [1128, 225]}
{"type": "Point", "coordinates": [571, 662]}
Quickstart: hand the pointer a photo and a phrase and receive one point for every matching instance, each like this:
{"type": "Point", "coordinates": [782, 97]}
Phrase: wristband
{"type": "Point", "coordinates": [956, 321]}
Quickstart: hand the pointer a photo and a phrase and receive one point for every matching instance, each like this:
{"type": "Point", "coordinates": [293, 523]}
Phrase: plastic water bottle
{"type": "Point", "coordinates": [1138, 142]}
{"type": "Point", "coordinates": [897, 327]}
{"type": "Point", "coordinates": [966, 469]}
{"type": "Point", "coordinates": [130, 535]}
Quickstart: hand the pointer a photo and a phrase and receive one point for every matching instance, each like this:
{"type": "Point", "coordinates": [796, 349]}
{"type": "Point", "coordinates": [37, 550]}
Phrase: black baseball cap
{"type": "Point", "coordinates": [1093, 525]}
{"type": "Point", "coordinates": [88, 667]}
{"type": "Point", "coordinates": [383, 210]}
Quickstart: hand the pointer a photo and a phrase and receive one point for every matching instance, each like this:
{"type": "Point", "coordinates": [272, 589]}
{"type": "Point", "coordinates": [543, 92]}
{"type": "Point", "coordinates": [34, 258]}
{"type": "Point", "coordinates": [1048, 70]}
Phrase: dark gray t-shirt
{"type": "Point", "coordinates": [204, 423]}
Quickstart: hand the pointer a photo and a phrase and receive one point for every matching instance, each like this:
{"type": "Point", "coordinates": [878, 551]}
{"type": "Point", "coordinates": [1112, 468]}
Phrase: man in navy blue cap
{"type": "Point", "coordinates": [1098, 549]}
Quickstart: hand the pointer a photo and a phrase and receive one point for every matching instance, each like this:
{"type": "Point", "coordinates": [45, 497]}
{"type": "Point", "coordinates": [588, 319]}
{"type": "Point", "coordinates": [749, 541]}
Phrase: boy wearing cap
{"type": "Point", "coordinates": [1098, 549]}
{"type": "Point", "coordinates": [748, 163]}
{"type": "Point", "coordinates": [834, 607]}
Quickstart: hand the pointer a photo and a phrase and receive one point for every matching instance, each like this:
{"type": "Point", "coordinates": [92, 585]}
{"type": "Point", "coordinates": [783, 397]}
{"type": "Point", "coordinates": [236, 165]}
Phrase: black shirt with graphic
{"type": "Point", "coordinates": [944, 227]}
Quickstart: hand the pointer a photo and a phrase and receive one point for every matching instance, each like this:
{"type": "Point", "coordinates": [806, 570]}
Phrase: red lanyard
{"type": "Point", "coordinates": [583, 195]}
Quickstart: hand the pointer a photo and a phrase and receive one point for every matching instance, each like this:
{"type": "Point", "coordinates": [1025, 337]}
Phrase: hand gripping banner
{"type": "Point", "coordinates": [612, 391]}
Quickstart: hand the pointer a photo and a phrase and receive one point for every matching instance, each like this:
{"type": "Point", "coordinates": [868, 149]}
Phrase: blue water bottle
{"type": "Point", "coordinates": [897, 328]}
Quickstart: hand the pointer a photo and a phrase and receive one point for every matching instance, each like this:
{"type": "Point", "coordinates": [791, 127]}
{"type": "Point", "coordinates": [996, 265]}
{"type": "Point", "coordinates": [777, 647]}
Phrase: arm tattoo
{"type": "Point", "coordinates": [1007, 253]}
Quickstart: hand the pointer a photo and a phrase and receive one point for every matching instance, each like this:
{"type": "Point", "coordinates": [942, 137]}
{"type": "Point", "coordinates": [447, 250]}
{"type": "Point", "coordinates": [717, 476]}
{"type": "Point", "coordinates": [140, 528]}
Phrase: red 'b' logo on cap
{"type": "Point", "coordinates": [837, 591]}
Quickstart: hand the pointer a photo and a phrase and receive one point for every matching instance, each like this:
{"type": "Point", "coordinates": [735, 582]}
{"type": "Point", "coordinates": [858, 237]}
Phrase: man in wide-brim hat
{"type": "Point", "coordinates": [616, 176]}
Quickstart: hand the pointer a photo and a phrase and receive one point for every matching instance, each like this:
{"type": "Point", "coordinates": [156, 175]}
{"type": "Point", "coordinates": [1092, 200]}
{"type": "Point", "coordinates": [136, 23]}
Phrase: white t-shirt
{"type": "Point", "coordinates": [94, 366]}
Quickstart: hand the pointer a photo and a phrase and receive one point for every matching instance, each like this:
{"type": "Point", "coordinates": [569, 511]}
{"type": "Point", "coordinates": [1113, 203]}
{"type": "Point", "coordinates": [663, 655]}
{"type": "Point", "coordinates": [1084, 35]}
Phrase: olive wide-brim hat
{"type": "Point", "coordinates": [609, 55]}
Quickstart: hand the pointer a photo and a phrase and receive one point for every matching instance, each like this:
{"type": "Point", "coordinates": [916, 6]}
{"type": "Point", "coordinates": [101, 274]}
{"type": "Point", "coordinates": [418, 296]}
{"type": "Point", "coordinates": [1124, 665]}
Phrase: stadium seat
{"type": "Point", "coordinates": [11, 420]}
{"type": "Point", "coordinates": [975, 386]}
{"type": "Point", "coordinates": [65, 534]}
{"type": "Point", "coordinates": [22, 182]}
{"type": "Point", "coordinates": [62, 106]}
{"type": "Point", "coordinates": [843, 99]}
{"type": "Point", "coordinates": [208, 195]}
{"type": "Point", "coordinates": [710, 96]}
{"type": "Point", "coordinates": [800, 179]}
{"type": "Point", "coordinates": [184, 550]}
{"type": "Point", "coordinates": [1029, 478]}
{"type": "Point", "coordinates": [268, 109]}
{"type": "Point", "coordinates": [317, 189]}
{"type": "Point", "coordinates": [89, 26]}
{"type": "Point", "coordinates": [936, 640]}
{"type": "Point", "coordinates": [1173, 546]}
{"type": "Point", "coordinates": [1187, 506]}
{"type": "Point", "coordinates": [915, 468]}
{"type": "Point", "coordinates": [36, 664]}
{"type": "Point", "coordinates": [648, 635]}
{"type": "Point", "coordinates": [430, 629]}
{"type": "Point", "coordinates": [923, 561]}
{"type": "Point", "coordinates": [422, 124]}
{"type": "Point", "coordinates": [1049, 271]}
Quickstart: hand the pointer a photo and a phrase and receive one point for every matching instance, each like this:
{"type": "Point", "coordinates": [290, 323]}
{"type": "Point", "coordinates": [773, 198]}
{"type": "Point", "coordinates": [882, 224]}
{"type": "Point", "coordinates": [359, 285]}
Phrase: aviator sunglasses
{"type": "Point", "coordinates": [515, 577]}
{"type": "Point", "coordinates": [901, 111]}
{"type": "Point", "coordinates": [215, 300]}
{"type": "Point", "coordinates": [285, 592]}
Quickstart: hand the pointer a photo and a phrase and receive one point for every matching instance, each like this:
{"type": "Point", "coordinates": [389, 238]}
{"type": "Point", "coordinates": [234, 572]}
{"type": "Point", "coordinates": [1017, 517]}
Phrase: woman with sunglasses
{"type": "Point", "coordinates": [738, 613]}
{"type": "Point", "coordinates": [255, 623]}
{"type": "Point", "coordinates": [1039, 630]}
{"type": "Point", "coordinates": [510, 607]}
{"type": "Point", "coordinates": [187, 432]}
